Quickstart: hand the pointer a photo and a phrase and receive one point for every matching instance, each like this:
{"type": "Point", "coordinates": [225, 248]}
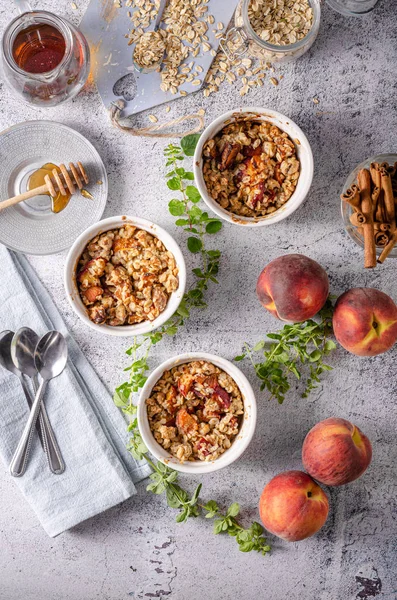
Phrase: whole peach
{"type": "Point", "coordinates": [336, 452]}
{"type": "Point", "coordinates": [293, 287]}
{"type": "Point", "coordinates": [293, 506]}
{"type": "Point", "coordinates": [365, 321]}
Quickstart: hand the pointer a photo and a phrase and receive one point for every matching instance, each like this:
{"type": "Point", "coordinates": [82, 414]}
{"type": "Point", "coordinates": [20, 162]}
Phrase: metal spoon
{"type": "Point", "coordinates": [50, 358]}
{"type": "Point", "coordinates": [152, 27]}
{"type": "Point", "coordinates": [7, 363]}
{"type": "Point", "coordinates": [23, 347]}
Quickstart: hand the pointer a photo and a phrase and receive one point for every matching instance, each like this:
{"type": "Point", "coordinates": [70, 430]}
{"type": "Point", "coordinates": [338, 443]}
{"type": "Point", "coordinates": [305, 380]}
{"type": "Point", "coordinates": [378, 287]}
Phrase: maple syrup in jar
{"type": "Point", "coordinates": [38, 48]}
{"type": "Point", "coordinates": [46, 60]}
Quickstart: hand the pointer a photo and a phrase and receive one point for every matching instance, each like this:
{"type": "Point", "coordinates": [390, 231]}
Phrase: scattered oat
{"type": "Point", "coordinates": [167, 109]}
{"type": "Point", "coordinates": [247, 62]}
{"type": "Point", "coordinates": [74, 5]}
{"type": "Point", "coordinates": [201, 112]}
{"type": "Point", "coordinates": [184, 32]}
{"type": "Point", "coordinates": [316, 100]}
{"type": "Point", "coordinates": [153, 118]}
{"type": "Point", "coordinates": [99, 182]}
{"type": "Point", "coordinates": [273, 80]}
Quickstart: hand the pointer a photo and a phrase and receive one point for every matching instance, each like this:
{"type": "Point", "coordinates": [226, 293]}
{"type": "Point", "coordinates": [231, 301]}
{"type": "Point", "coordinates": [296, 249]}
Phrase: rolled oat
{"type": "Point", "coordinates": [280, 22]}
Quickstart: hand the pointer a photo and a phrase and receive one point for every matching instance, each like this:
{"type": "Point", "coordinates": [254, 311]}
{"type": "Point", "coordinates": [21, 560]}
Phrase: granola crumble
{"type": "Point", "coordinates": [195, 411]}
{"type": "Point", "coordinates": [251, 168]}
{"type": "Point", "coordinates": [126, 276]}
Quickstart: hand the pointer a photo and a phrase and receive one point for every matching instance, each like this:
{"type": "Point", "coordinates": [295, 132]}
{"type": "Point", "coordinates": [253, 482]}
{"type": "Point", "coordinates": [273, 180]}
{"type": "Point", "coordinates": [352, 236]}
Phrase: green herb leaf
{"type": "Point", "coordinates": [194, 244]}
{"type": "Point", "coordinates": [233, 510]}
{"type": "Point", "coordinates": [176, 208]}
{"type": "Point", "coordinates": [174, 183]}
{"type": "Point", "coordinates": [189, 143]}
{"type": "Point", "coordinates": [193, 194]}
{"type": "Point", "coordinates": [213, 227]}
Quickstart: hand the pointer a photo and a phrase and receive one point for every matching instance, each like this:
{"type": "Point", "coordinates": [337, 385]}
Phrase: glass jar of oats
{"type": "Point", "coordinates": [273, 30]}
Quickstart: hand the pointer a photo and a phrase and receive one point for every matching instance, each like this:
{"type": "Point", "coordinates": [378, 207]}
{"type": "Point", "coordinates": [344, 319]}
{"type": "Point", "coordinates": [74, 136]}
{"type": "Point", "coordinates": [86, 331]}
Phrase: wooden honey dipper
{"type": "Point", "coordinates": [59, 182]}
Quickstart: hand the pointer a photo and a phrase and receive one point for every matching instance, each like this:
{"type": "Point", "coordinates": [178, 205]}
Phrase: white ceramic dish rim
{"type": "Point", "coordinates": [76, 251]}
{"type": "Point", "coordinates": [244, 436]}
{"type": "Point", "coordinates": [305, 156]}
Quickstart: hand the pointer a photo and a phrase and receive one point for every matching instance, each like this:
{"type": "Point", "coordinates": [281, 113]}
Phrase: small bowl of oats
{"type": "Point", "coordinates": [125, 276]}
{"type": "Point", "coordinates": [197, 413]}
{"type": "Point", "coordinates": [253, 167]}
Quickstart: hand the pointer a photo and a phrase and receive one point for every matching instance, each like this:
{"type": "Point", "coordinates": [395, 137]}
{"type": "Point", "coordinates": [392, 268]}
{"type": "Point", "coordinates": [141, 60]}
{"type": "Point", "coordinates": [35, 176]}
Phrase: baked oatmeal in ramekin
{"type": "Point", "coordinates": [195, 411]}
{"type": "Point", "coordinates": [251, 167]}
{"type": "Point", "coordinates": [126, 276]}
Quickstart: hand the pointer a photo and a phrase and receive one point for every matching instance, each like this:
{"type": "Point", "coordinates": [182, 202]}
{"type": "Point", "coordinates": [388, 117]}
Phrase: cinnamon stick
{"type": "Point", "coordinates": [387, 249]}
{"type": "Point", "coordinates": [352, 196]}
{"type": "Point", "coordinates": [388, 197]}
{"type": "Point", "coordinates": [357, 219]}
{"type": "Point", "coordinates": [381, 239]}
{"type": "Point", "coordinates": [376, 179]}
{"type": "Point", "coordinates": [391, 169]}
{"type": "Point", "coordinates": [375, 174]}
{"type": "Point", "coordinates": [380, 212]}
{"type": "Point", "coordinates": [364, 184]}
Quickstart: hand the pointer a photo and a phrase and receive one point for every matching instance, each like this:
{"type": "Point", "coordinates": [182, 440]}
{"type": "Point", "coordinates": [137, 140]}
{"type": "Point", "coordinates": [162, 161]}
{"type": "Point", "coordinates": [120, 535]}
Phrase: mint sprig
{"type": "Point", "coordinates": [298, 350]}
{"type": "Point", "coordinates": [198, 225]}
{"type": "Point", "coordinates": [165, 480]}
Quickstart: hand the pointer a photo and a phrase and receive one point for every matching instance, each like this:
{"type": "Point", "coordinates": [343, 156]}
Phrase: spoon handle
{"type": "Point", "coordinates": [159, 14]}
{"type": "Point", "coordinates": [30, 402]}
{"type": "Point", "coordinates": [20, 458]}
{"type": "Point", "coordinates": [54, 456]}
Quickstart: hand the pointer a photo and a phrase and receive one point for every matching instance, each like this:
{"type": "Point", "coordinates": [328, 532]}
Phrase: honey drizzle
{"type": "Point", "coordinates": [36, 179]}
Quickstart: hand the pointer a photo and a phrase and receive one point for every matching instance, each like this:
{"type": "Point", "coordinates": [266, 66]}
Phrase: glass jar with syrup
{"type": "Point", "coordinates": [45, 58]}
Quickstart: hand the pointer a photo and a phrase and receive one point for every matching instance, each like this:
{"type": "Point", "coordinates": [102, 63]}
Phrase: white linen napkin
{"type": "Point", "coordinates": [90, 430]}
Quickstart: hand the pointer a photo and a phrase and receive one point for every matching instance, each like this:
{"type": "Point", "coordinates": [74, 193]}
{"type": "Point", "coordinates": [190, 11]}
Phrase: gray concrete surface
{"type": "Point", "coordinates": [137, 550]}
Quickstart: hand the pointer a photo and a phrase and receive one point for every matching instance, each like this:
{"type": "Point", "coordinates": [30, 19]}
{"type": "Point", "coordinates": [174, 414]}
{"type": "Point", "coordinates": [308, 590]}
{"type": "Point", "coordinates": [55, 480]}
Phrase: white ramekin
{"type": "Point", "coordinates": [76, 251]}
{"type": "Point", "coordinates": [241, 441]}
{"type": "Point", "coordinates": [304, 154]}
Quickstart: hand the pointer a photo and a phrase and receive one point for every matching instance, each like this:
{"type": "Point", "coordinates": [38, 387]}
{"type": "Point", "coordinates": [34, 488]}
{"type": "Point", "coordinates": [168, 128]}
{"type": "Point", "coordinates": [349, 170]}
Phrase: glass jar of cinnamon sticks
{"type": "Point", "coordinates": [369, 208]}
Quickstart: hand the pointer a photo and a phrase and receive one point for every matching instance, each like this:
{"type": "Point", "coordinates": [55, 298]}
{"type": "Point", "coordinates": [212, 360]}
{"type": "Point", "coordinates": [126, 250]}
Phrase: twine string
{"type": "Point", "coordinates": [155, 130]}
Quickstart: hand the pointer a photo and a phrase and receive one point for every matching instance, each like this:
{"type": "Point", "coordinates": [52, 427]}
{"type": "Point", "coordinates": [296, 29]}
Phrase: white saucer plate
{"type": "Point", "coordinates": [30, 227]}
